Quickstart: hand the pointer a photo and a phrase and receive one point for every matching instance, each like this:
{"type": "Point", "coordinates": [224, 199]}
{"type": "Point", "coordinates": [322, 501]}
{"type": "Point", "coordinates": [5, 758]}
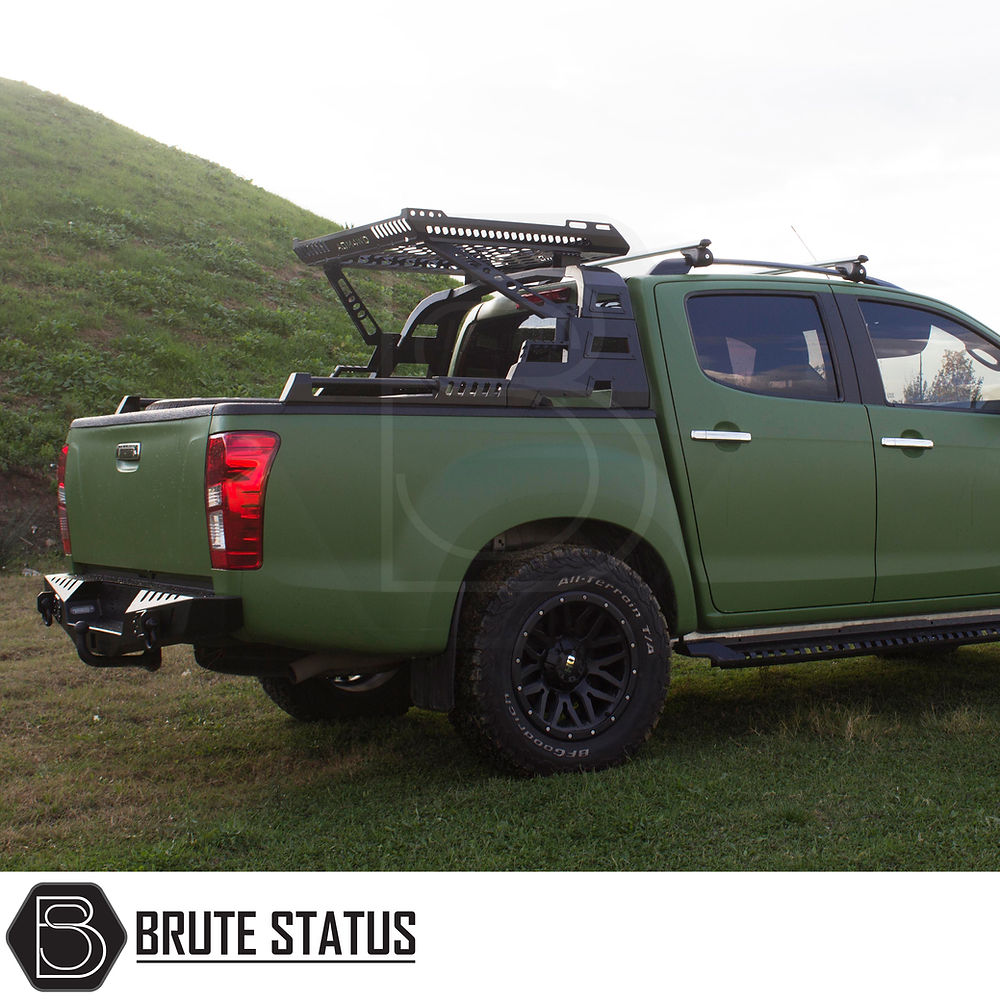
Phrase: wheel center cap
{"type": "Point", "coordinates": [566, 663]}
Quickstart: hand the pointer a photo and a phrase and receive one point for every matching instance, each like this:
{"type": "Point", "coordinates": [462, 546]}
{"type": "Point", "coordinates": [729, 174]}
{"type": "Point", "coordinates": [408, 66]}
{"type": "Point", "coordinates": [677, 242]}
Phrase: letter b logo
{"type": "Point", "coordinates": [66, 936]}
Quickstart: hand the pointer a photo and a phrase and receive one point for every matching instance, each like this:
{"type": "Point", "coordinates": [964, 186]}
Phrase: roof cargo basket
{"type": "Point", "coordinates": [420, 239]}
{"type": "Point", "coordinates": [591, 359]}
{"type": "Point", "coordinates": [484, 250]}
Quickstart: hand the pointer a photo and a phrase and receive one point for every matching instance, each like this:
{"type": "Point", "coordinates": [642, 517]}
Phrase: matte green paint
{"type": "Point", "coordinates": [935, 547]}
{"type": "Point", "coordinates": [373, 518]}
{"type": "Point", "coordinates": [769, 512]}
{"type": "Point", "coordinates": [938, 530]}
{"type": "Point", "coordinates": [150, 518]}
{"type": "Point", "coordinates": [372, 521]}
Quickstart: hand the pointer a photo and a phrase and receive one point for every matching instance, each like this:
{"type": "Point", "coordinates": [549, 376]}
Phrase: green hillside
{"type": "Point", "coordinates": [129, 266]}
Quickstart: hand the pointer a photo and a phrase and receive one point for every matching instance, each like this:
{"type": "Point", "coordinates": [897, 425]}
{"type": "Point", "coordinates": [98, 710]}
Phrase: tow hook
{"type": "Point", "coordinates": [46, 606]}
{"type": "Point", "coordinates": [150, 659]}
{"type": "Point", "coordinates": [148, 628]}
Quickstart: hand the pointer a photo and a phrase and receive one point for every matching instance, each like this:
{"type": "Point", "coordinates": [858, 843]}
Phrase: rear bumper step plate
{"type": "Point", "coordinates": [114, 623]}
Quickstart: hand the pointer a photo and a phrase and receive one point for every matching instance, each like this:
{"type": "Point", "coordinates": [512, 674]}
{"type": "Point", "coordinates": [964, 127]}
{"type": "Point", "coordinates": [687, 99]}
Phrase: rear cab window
{"type": "Point", "coordinates": [773, 345]}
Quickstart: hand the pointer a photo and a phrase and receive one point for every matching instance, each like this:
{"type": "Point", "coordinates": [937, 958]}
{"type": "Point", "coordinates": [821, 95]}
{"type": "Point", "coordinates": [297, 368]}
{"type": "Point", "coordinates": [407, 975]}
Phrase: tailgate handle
{"type": "Point", "coordinates": [720, 436]}
{"type": "Point", "coordinates": [127, 456]}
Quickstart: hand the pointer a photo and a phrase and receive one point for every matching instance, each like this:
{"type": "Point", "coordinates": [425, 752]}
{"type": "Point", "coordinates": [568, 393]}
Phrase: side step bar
{"type": "Point", "coordinates": [828, 640]}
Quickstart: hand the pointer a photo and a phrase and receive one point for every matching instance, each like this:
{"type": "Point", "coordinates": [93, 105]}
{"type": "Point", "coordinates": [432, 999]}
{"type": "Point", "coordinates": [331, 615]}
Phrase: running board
{"type": "Point", "coordinates": [828, 640]}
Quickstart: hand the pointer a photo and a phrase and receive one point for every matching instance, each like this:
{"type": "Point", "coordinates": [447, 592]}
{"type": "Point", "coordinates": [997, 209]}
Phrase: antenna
{"type": "Point", "coordinates": [803, 242]}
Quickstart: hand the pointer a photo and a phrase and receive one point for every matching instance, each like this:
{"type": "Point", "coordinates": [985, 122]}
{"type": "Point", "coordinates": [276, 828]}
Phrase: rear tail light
{"type": "Point", "coordinates": [61, 501]}
{"type": "Point", "coordinates": [236, 468]}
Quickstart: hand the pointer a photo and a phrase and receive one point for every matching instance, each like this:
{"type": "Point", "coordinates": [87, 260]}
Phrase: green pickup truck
{"type": "Point", "coordinates": [548, 479]}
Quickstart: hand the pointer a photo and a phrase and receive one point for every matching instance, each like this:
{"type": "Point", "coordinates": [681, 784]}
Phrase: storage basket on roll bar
{"type": "Point", "coordinates": [593, 358]}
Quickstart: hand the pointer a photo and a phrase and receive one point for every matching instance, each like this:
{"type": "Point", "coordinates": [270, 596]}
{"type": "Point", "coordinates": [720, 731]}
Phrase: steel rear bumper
{"type": "Point", "coordinates": [116, 623]}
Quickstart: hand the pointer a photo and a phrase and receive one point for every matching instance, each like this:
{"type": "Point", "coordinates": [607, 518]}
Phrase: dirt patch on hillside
{"type": "Point", "coordinates": [102, 336]}
{"type": "Point", "coordinates": [29, 525]}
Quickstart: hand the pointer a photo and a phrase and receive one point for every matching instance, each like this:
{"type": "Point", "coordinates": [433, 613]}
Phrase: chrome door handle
{"type": "Point", "coordinates": [720, 436]}
{"type": "Point", "coordinates": [907, 443]}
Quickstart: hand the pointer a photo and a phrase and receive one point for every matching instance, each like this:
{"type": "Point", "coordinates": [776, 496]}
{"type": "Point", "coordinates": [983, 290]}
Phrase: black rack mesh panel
{"type": "Point", "coordinates": [416, 238]}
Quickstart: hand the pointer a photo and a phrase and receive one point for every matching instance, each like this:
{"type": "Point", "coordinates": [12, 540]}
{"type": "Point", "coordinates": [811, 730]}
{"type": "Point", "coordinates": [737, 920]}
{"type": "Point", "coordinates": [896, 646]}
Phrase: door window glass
{"type": "Point", "coordinates": [929, 360]}
{"type": "Point", "coordinates": [769, 344]}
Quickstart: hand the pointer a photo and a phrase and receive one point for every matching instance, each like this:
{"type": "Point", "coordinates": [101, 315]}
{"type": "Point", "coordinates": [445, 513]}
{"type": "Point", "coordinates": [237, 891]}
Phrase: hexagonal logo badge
{"type": "Point", "coordinates": [66, 936]}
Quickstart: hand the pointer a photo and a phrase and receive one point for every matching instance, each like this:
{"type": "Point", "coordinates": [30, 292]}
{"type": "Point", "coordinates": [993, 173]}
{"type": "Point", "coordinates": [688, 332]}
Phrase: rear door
{"type": "Point", "coordinates": [777, 445]}
{"type": "Point", "coordinates": [934, 394]}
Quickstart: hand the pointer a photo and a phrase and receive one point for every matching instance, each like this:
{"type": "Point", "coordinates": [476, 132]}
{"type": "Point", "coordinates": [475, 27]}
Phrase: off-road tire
{"type": "Point", "coordinates": [327, 698]}
{"type": "Point", "coordinates": [563, 662]}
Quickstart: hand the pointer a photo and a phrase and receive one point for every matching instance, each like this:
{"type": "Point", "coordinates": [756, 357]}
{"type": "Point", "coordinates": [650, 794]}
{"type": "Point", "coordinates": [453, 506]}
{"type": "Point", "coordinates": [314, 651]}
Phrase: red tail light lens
{"type": "Point", "coordinates": [61, 501]}
{"type": "Point", "coordinates": [236, 468]}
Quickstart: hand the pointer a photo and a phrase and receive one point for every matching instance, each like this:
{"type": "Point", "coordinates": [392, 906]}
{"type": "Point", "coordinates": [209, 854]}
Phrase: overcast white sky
{"type": "Point", "coordinates": [869, 127]}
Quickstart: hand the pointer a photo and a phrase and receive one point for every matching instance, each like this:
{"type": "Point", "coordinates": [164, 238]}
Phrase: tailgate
{"type": "Point", "coordinates": [135, 491]}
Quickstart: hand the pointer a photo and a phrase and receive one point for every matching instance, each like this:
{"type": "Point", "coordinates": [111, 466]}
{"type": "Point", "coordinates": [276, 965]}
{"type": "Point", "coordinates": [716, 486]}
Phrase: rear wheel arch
{"type": "Point", "coordinates": [434, 679]}
{"type": "Point", "coordinates": [612, 539]}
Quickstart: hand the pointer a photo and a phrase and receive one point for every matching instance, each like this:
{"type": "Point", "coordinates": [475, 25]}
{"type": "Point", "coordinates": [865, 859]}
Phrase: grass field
{"type": "Point", "coordinates": [855, 764]}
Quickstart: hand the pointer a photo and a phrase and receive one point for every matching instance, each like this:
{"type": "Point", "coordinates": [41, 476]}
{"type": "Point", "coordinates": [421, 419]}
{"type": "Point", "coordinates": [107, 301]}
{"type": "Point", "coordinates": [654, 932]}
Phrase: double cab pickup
{"type": "Point", "coordinates": [552, 476]}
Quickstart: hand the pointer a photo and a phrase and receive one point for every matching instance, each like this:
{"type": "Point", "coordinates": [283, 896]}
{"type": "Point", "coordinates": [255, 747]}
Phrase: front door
{"type": "Point", "coordinates": [937, 452]}
{"type": "Point", "coordinates": [777, 447]}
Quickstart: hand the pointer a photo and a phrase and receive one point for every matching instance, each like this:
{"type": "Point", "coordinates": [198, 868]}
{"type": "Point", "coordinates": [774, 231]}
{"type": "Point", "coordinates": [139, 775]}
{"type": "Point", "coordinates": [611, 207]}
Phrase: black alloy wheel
{"type": "Point", "coordinates": [563, 661]}
{"type": "Point", "coordinates": [573, 665]}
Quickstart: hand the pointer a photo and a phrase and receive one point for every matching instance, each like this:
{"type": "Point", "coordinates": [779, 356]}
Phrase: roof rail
{"type": "Point", "coordinates": [852, 269]}
{"type": "Point", "coordinates": [694, 254]}
{"type": "Point", "coordinates": [698, 255]}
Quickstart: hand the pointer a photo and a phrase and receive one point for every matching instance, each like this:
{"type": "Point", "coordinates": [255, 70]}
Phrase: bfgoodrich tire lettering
{"type": "Point", "coordinates": [563, 662]}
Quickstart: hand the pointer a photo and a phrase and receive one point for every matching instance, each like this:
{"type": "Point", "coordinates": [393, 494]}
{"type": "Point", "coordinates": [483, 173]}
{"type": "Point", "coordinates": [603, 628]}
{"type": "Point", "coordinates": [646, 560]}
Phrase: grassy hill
{"type": "Point", "coordinates": [130, 266]}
